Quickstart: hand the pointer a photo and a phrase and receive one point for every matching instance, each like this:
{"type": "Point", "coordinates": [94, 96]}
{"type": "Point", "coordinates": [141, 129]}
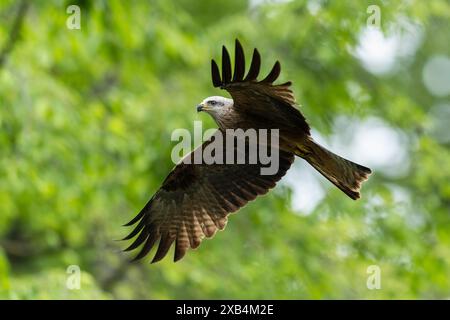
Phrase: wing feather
{"type": "Point", "coordinates": [226, 66]}
{"type": "Point", "coordinates": [151, 240]}
{"type": "Point", "coordinates": [215, 74]}
{"type": "Point", "coordinates": [275, 103]}
{"type": "Point", "coordinates": [139, 240]}
{"type": "Point", "coordinates": [181, 243]}
{"type": "Point", "coordinates": [273, 74]}
{"type": "Point", "coordinates": [194, 202]}
{"type": "Point", "coordinates": [255, 65]}
{"type": "Point", "coordinates": [164, 245]}
{"type": "Point", "coordinates": [137, 229]}
{"type": "Point", "coordinates": [239, 62]}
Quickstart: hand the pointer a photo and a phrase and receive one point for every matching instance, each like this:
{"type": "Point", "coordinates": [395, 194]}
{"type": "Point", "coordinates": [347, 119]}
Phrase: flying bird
{"type": "Point", "coordinates": [195, 200]}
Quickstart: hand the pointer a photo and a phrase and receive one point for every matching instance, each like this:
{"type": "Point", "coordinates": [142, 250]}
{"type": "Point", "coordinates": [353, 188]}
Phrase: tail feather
{"type": "Point", "coordinates": [344, 174]}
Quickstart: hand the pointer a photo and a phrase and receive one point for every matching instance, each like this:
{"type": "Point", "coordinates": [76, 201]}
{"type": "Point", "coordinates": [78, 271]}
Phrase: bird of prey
{"type": "Point", "coordinates": [195, 200]}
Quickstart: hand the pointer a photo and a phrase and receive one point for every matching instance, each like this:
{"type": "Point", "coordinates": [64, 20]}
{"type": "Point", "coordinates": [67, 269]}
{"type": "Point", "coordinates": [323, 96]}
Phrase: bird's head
{"type": "Point", "coordinates": [216, 106]}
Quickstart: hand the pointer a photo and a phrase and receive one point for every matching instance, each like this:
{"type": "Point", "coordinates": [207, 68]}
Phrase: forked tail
{"type": "Point", "coordinates": [344, 174]}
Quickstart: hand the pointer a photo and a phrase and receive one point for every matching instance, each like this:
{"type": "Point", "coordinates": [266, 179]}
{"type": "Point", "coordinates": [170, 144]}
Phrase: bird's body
{"type": "Point", "coordinates": [196, 198]}
{"type": "Point", "coordinates": [228, 116]}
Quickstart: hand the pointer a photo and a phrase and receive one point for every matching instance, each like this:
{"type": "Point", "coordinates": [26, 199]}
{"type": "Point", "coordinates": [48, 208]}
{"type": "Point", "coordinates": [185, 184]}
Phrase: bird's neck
{"type": "Point", "coordinates": [227, 120]}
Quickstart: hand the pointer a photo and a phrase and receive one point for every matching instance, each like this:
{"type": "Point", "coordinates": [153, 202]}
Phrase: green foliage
{"type": "Point", "coordinates": [85, 123]}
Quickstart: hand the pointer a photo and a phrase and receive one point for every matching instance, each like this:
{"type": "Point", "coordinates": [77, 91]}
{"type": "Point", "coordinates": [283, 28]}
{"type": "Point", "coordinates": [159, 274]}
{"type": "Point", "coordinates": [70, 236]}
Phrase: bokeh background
{"type": "Point", "coordinates": [85, 123]}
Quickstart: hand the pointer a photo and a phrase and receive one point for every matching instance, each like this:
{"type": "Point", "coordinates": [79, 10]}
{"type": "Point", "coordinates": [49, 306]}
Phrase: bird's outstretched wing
{"type": "Point", "coordinates": [263, 99]}
{"type": "Point", "coordinates": [195, 200]}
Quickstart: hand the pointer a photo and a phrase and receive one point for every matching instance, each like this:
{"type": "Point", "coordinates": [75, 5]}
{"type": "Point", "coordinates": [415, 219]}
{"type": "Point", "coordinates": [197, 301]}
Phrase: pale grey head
{"type": "Point", "coordinates": [217, 106]}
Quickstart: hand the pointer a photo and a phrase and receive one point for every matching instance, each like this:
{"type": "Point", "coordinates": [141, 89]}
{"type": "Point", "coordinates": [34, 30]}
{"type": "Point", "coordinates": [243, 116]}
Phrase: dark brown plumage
{"type": "Point", "coordinates": [195, 200]}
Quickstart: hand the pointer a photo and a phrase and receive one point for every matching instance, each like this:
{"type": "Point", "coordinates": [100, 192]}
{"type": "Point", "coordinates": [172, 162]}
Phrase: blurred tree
{"type": "Point", "coordinates": [85, 123]}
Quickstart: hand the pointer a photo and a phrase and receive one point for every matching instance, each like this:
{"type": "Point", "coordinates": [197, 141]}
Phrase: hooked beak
{"type": "Point", "coordinates": [199, 107]}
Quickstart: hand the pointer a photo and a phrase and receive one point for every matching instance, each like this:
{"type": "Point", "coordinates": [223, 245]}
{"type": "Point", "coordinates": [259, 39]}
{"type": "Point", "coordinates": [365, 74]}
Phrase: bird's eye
{"type": "Point", "coordinates": [213, 102]}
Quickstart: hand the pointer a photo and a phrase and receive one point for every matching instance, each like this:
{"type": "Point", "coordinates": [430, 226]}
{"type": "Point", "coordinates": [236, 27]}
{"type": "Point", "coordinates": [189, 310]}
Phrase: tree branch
{"type": "Point", "coordinates": [15, 32]}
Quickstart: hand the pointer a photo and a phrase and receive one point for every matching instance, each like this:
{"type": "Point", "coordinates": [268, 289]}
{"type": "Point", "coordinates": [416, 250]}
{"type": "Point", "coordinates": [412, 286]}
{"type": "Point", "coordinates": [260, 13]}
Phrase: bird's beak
{"type": "Point", "coordinates": [199, 107]}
